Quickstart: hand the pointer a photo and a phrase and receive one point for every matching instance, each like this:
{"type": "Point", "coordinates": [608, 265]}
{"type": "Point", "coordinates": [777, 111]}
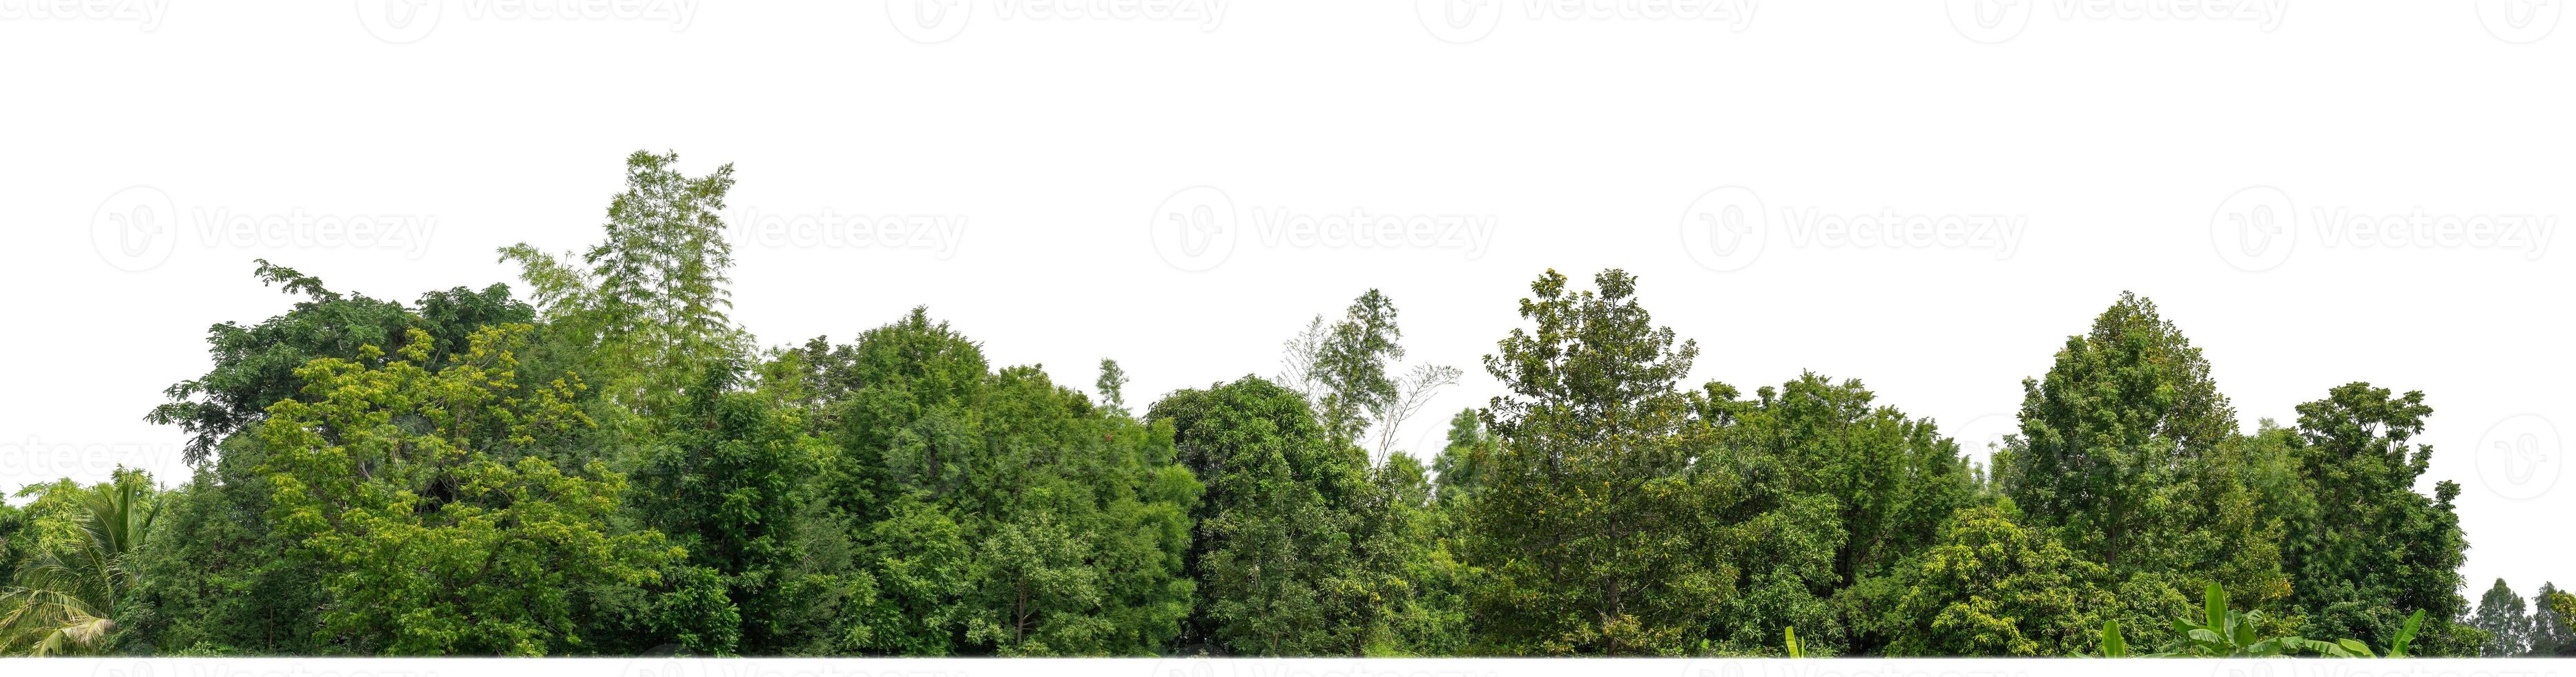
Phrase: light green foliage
{"type": "Point", "coordinates": [435, 529]}
{"type": "Point", "coordinates": [2113, 646]}
{"type": "Point", "coordinates": [229, 583]}
{"type": "Point", "coordinates": [1991, 587]}
{"type": "Point", "coordinates": [2225, 632]}
{"type": "Point", "coordinates": [255, 365]}
{"type": "Point", "coordinates": [642, 313]}
{"type": "Point", "coordinates": [64, 598]}
{"type": "Point", "coordinates": [2561, 604]}
{"type": "Point", "coordinates": [1113, 386]}
{"type": "Point", "coordinates": [2221, 632]}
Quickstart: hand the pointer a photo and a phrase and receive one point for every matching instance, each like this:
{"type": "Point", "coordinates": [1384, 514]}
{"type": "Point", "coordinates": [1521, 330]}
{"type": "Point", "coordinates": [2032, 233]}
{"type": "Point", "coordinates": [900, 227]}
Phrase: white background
{"type": "Point", "coordinates": [2114, 135]}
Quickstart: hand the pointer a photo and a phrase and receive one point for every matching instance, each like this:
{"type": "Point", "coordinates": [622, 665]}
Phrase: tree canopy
{"type": "Point", "coordinates": [601, 462]}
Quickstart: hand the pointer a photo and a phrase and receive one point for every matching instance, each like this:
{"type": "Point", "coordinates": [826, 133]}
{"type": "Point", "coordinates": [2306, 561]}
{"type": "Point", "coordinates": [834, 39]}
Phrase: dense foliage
{"type": "Point", "coordinates": [607, 465]}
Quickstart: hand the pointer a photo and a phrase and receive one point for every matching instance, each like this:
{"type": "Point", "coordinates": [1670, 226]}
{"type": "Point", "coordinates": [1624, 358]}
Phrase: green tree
{"type": "Point", "coordinates": [436, 528]}
{"type": "Point", "coordinates": [1895, 479]}
{"type": "Point", "coordinates": [1347, 369]}
{"type": "Point", "coordinates": [221, 579]}
{"type": "Point", "coordinates": [2130, 456]}
{"type": "Point", "coordinates": [2109, 432]}
{"type": "Point", "coordinates": [1590, 524]}
{"type": "Point", "coordinates": [1082, 552]}
{"type": "Point", "coordinates": [66, 598]}
{"type": "Point", "coordinates": [15, 542]}
{"type": "Point", "coordinates": [1852, 488]}
{"type": "Point", "coordinates": [642, 313]}
{"type": "Point", "coordinates": [1113, 386]}
{"type": "Point", "coordinates": [1459, 471]}
{"type": "Point", "coordinates": [729, 486]}
{"type": "Point", "coordinates": [2383, 550]}
{"type": "Point", "coordinates": [2561, 606]}
{"type": "Point", "coordinates": [228, 583]}
{"type": "Point", "coordinates": [2506, 620]}
{"type": "Point", "coordinates": [255, 365]}
{"type": "Point", "coordinates": [2549, 629]}
{"type": "Point", "coordinates": [1415, 591]}
{"type": "Point", "coordinates": [1275, 532]}
{"type": "Point", "coordinates": [1991, 587]}
{"type": "Point", "coordinates": [1000, 513]}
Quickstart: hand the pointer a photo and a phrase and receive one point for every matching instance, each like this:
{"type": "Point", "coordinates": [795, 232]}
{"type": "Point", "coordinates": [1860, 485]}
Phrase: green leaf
{"type": "Point", "coordinates": [2214, 603]}
{"type": "Point", "coordinates": [2405, 635]}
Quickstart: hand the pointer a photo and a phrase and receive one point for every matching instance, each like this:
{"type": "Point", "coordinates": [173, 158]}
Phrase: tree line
{"type": "Point", "coordinates": [601, 462]}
